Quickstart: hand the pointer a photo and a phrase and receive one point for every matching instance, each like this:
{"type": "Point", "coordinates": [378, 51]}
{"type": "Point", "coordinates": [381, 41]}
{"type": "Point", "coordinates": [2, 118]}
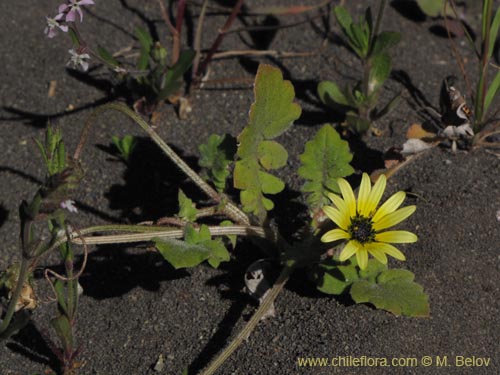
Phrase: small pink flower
{"type": "Point", "coordinates": [53, 24]}
{"type": "Point", "coordinates": [69, 205]}
{"type": "Point", "coordinates": [73, 8]}
{"type": "Point", "coordinates": [78, 58]}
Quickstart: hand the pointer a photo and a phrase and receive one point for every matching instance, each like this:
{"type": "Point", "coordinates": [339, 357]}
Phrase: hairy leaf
{"type": "Point", "coordinates": [271, 114]}
{"type": "Point", "coordinates": [216, 156]}
{"type": "Point", "coordinates": [379, 71]}
{"type": "Point", "coordinates": [326, 157]}
{"type": "Point", "coordinates": [394, 291]}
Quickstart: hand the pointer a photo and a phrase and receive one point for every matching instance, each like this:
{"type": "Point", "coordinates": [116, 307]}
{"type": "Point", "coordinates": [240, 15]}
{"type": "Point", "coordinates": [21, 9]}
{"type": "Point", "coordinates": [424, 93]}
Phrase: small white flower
{"type": "Point", "coordinates": [53, 24]}
{"type": "Point", "coordinates": [69, 205]}
{"type": "Point", "coordinates": [78, 58]}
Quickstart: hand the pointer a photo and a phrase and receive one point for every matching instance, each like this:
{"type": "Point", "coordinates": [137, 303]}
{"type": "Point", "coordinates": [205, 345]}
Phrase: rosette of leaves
{"type": "Point", "coordinates": [359, 103]}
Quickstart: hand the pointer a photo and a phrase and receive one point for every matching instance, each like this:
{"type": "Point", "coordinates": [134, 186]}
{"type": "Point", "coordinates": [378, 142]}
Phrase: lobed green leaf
{"type": "Point", "coordinates": [216, 155]}
{"type": "Point", "coordinates": [187, 209]}
{"type": "Point", "coordinates": [271, 114]}
{"type": "Point", "coordinates": [326, 158]}
{"type": "Point", "coordinates": [395, 291]}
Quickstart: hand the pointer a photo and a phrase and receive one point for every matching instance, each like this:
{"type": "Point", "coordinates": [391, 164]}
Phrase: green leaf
{"type": "Point", "coordinates": [181, 254]}
{"type": "Point", "coordinates": [125, 145]}
{"type": "Point", "coordinates": [143, 61]}
{"type": "Point", "coordinates": [232, 237]}
{"type": "Point", "coordinates": [216, 156]}
{"type": "Point", "coordinates": [360, 38]}
{"type": "Point", "coordinates": [394, 291]}
{"type": "Point", "coordinates": [145, 39]}
{"type": "Point", "coordinates": [330, 94]}
{"type": "Point", "coordinates": [492, 92]}
{"type": "Point", "coordinates": [172, 81]}
{"type": "Point", "coordinates": [334, 277]}
{"type": "Point", "coordinates": [272, 155]}
{"type": "Point", "coordinates": [326, 157]}
{"type": "Point", "coordinates": [271, 114]}
{"type": "Point", "coordinates": [216, 249]}
{"type": "Point", "coordinates": [106, 56]}
{"type": "Point", "coordinates": [61, 296]}
{"type": "Point", "coordinates": [432, 8]}
{"type": "Point", "coordinates": [344, 19]}
{"type": "Point", "coordinates": [62, 326]}
{"type": "Point", "coordinates": [379, 71]}
{"type": "Point", "coordinates": [384, 41]}
{"type": "Point", "coordinates": [494, 32]}
{"type": "Point", "coordinates": [74, 37]}
{"type": "Point", "coordinates": [187, 209]}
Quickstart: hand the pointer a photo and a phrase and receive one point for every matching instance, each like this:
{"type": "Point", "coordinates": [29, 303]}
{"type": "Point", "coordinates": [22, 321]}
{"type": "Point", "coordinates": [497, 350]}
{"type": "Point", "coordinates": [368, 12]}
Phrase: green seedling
{"type": "Point", "coordinates": [125, 146]}
{"type": "Point", "coordinates": [359, 103]}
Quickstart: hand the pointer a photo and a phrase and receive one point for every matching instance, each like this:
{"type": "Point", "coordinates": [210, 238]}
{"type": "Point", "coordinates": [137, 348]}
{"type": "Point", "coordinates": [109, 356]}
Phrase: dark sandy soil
{"type": "Point", "coordinates": [136, 307]}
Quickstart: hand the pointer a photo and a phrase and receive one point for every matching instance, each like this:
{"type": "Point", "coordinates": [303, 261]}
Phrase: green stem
{"type": "Point", "coordinates": [230, 209]}
{"type": "Point", "coordinates": [252, 323]}
{"type": "Point", "coordinates": [378, 22]}
{"type": "Point", "coordinates": [23, 276]}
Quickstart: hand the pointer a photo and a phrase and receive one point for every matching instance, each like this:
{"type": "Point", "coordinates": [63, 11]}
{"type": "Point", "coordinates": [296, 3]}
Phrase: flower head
{"type": "Point", "coordinates": [362, 224]}
{"type": "Point", "coordinates": [73, 8]}
{"type": "Point", "coordinates": [78, 58]}
{"type": "Point", "coordinates": [53, 24]}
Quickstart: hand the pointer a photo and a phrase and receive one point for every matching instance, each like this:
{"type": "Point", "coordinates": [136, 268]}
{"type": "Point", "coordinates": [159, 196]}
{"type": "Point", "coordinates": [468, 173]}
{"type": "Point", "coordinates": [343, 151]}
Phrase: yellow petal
{"type": "Point", "coordinates": [391, 205]}
{"type": "Point", "coordinates": [336, 216]}
{"type": "Point", "coordinates": [334, 235]}
{"type": "Point", "coordinates": [348, 196]}
{"type": "Point", "coordinates": [343, 209]}
{"type": "Point", "coordinates": [389, 250]}
{"type": "Point", "coordinates": [364, 194]}
{"type": "Point", "coordinates": [396, 236]}
{"type": "Point", "coordinates": [376, 252]}
{"type": "Point", "coordinates": [362, 257]}
{"type": "Point", "coordinates": [394, 218]}
{"type": "Point", "coordinates": [348, 251]}
{"type": "Point", "coordinates": [376, 195]}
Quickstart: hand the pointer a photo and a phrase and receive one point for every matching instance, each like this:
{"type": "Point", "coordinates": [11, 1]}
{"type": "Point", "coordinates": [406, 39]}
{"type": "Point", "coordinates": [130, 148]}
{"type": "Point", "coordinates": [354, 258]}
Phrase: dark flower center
{"type": "Point", "coordinates": [361, 229]}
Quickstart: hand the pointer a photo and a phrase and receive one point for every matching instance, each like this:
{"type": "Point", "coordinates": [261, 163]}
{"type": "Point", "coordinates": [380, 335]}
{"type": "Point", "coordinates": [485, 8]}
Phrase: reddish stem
{"type": "Point", "coordinates": [220, 37]}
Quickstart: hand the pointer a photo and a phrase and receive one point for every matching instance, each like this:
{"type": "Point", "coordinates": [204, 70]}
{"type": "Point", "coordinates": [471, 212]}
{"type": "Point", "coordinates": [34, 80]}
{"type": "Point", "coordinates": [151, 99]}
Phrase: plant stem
{"type": "Point", "coordinates": [197, 38]}
{"type": "Point", "coordinates": [176, 49]}
{"type": "Point", "coordinates": [230, 209]}
{"type": "Point", "coordinates": [252, 323]}
{"type": "Point", "coordinates": [220, 37]}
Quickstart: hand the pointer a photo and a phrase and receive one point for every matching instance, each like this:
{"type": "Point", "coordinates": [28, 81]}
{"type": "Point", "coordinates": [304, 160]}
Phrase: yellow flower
{"type": "Point", "coordinates": [361, 224]}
